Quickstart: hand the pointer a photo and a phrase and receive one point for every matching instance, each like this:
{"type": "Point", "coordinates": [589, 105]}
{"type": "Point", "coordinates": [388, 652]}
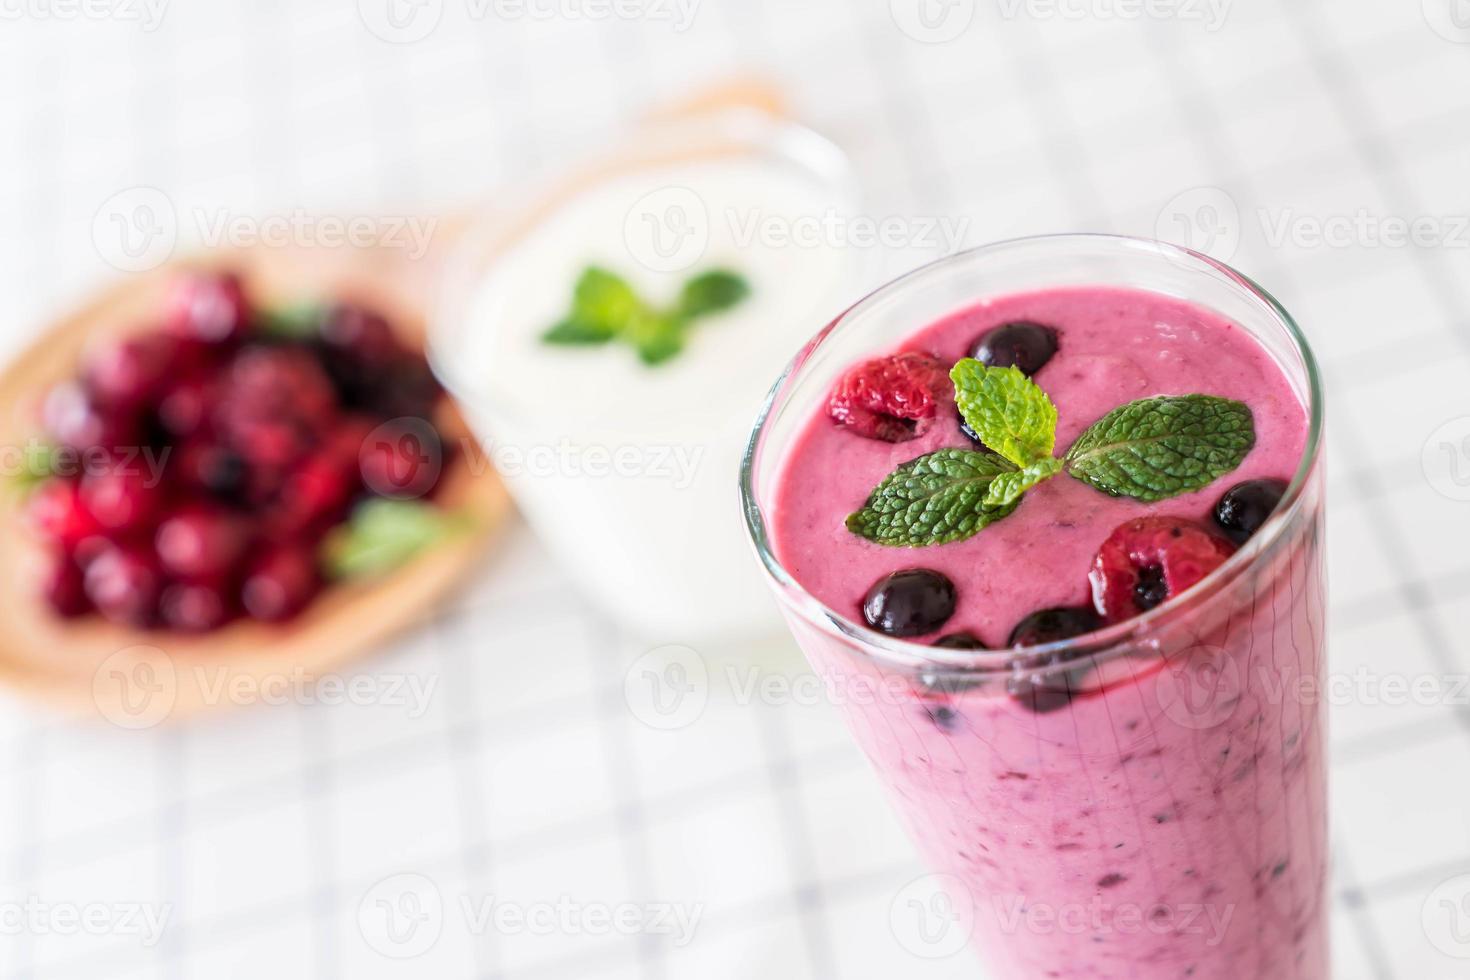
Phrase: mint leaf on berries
{"type": "Point", "coordinates": [383, 535]}
{"type": "Point", "coordinates": [1158, 448]}
{"type": "Point", "coordinates": [605, 307]}
{"type": "Point", "coordinates": [934, 499]}
{"type": "Point", "coordinates": [1007, 410]}
{"type": "Point", "coordinates": [1007, 488]}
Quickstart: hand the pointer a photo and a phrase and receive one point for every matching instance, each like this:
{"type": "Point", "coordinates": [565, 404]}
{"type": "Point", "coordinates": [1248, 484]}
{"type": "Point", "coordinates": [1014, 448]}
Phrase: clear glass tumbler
{"type": "Point", "coordinates": [1170, 820]}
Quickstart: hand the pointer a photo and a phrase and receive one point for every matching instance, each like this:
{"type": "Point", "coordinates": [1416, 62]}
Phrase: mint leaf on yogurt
{"type": "Point", "coordinates": [712, 292]}
{"type": "Point", "coordinates": [1162, 447]}
{"type": "Point", "coordinates": [605, 307]}
{"type": "Point", "coordinates": [935, 499]}
{"type": "Point", "coordinates": [1007, 410]}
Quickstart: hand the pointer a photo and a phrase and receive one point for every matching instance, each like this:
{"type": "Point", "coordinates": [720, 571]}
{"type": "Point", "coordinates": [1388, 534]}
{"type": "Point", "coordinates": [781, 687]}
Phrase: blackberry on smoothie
{"type": "Point", "coordinates": [1102, 472]}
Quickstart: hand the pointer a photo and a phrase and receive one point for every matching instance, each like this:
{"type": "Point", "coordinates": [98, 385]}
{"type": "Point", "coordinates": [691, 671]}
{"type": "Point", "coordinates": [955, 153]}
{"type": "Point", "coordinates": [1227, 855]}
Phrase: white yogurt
{"type": "Point", "coordinates": [628, 472]}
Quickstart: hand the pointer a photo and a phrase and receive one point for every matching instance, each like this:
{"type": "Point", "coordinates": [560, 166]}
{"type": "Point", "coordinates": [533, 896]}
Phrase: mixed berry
{"type": "Point", "coordinates": [217, 451]}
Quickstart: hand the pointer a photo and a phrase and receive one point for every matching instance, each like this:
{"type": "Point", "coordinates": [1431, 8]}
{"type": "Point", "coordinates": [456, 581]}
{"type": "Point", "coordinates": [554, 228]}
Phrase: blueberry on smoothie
{"type": "Point", "coordinates": [1246, 506]}
{"type": "Point", "coordinates": [1024, 345]}
{"type": "Point", "coordinates": [1038, 691]}
{"type": "Point", "coordinates": [963, 640]}
{"type": "Point", "coordinates": [912, 602]}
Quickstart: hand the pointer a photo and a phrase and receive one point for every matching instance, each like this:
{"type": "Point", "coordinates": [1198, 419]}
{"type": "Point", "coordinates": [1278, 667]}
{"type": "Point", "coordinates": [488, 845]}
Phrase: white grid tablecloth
{"type": "Point", "coordinates": [265, 833]}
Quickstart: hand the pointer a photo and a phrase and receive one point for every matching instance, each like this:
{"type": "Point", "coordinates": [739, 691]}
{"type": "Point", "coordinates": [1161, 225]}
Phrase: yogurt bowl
{"type": "Point", "coordinates": [624, 468]}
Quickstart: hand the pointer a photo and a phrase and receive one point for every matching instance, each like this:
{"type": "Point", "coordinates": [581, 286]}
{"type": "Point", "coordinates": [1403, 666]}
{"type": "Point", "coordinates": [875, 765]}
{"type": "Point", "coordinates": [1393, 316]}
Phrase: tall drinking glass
{"type": "Point", "coordinates": [1170, 819]}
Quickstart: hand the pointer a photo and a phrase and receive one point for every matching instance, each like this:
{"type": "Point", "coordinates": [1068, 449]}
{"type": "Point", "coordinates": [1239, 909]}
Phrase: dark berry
{"type": "Point", "coordinates": [407, 390]}
{"type": "Point", "coordinates": [361, 336]}
{"type": "Point", "coordinates": [194, 607]}
{"type": "Point", "coordinates": [909, 603]}
{"type": "Point", "coordinates": [201, 543]}
{"type": "Point", "coordinates": [281, 382]}
{"type": "Point", "coordinates": [1043, 688]}
{"type": "Point", "coordinates": [1246, 506]}
{"type": "Point", "coordinates": [58, 514]}
{"type": "Point", "coordinates": [280, 584]}
{"type": "Point", "coordinates": [62, 587]}
{"type": "Point", "coordinates": [1054, 625]}
{"type": "Point", "coordinates": [1151, 589]}
{"type": "Point", "coordinates": [183, 411]}
{"type": "Point", "coordinates": [891, 398]}
{"type": "Point", "coordinates": [1149, 560]}
{"type": "Point", "coordinates": [963, 640]}
{"type": "Point", "coordinates": [124, 584]}
{"type": "Point", "coordinates": [972, 435]}
{"type": "Point", "coordinates": [208, 307]}
{"type": "Point", "coordinates": [1023, 345]}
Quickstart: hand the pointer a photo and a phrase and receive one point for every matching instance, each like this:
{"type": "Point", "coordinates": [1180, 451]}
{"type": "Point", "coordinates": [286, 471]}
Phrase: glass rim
{"type": "Point", "coordinates": [1063, 654]}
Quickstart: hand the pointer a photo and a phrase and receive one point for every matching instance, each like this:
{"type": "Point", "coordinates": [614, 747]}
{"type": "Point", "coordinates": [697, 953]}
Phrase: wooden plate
{"type": "Point", "coordinates": [138, 679]}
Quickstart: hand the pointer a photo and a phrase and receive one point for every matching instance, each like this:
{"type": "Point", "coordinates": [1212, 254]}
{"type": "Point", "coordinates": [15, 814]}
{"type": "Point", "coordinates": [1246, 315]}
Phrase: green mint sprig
{"type": "Point", "coordinates": [606, 308]}
{"type": "Point", "coordinates": [383, 535]}
{"type": "Point", "coordinates": [1148, 450]}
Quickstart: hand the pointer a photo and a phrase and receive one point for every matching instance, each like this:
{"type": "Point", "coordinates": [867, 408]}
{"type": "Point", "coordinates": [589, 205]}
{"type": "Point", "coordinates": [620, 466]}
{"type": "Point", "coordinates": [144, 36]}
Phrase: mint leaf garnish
{"type": "Point", "coordinates": [934, 499]}
{"type": "Point", "coordinates": [1007, 410]}
{"type": "Point", "coordinates": [606, 308]}
{"type": "Point", "coordinates": [1007, 488]}
{"type": "Point", "coordinates": [383, 535]}
{"type": "Point", "coordinates": [712, 292]}
{"type": "Point", "coordinates": [297, 321]}
{"type": "Point", "coordinates": [573, 331]}
{"type": "Point", "coordinates": [1161, 447]}
{"type": "Point", "coordinates": [39, 464]}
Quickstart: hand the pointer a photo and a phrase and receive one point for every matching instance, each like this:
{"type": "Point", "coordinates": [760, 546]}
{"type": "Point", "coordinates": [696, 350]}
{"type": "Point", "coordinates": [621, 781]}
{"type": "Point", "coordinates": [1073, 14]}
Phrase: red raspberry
{"type": "Point", "coordinates": [201, 543]}
{"type": "Point", "coordinates": [892, 398]}
{"type": "Point", "coordinates": [125, 375]}
{"type": "Point", "coordinates": [1149, 560]}
{"type": "Point", "coordinates": [121, 498]}
{"type": "Point", "coordinates": [281, 583]}
{"type": "Point", "coordinates": [209, 308]}
{"type": "Point", "coordinates": [61, 587]}
{"type": "Point", "coordinates": [124, 583]}
{"type": "Point", "coordinates": [57, 512]}
{"type": "Point", "coordinates": [195, 607]}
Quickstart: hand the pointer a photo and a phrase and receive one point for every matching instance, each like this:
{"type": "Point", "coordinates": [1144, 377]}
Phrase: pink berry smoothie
{"type": "Point", "coordinates": [1164, 815]}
